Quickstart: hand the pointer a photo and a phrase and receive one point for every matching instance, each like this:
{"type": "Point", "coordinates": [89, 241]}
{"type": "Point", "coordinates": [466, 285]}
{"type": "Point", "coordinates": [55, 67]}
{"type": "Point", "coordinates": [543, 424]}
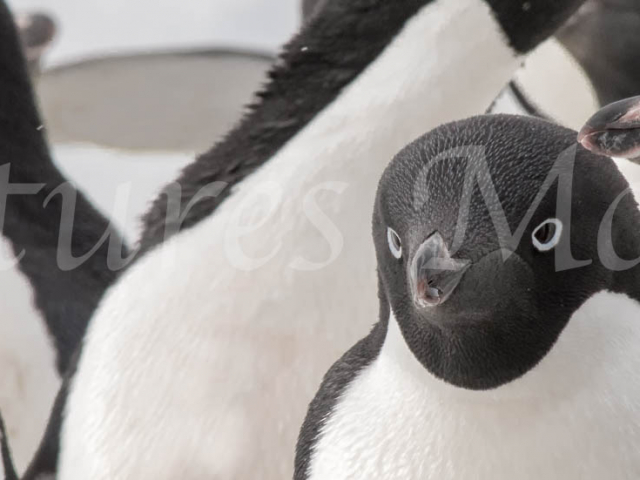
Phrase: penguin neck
{"type": "Point", "coordinates": [593, 357]}
{"type": "Point", "coordinates": [352, 95]}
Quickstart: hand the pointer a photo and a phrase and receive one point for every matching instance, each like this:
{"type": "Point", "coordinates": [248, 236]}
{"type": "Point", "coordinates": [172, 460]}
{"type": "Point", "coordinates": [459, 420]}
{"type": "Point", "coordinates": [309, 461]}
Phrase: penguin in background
{"type": "Point", "coordinates": [603, 36]}
{"type": "Point", "coordinates": [507, 339]}
{"type": "Point", "coordinates": [51, 437]}
{"type": "Point", "coordinates": [41, 323]}
{"type": "Point", "coordinates": [530, 92]}
{"type": "Point", "coordinates": [37, 30]}
{"type": "Point", "coordinates": [251, 321]}
{"type": "Point", "coordinates": [596, 55]}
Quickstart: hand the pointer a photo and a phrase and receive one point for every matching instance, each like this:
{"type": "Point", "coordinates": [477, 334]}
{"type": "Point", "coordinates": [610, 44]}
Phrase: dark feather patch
{"type": "Point", "coordinates": [333, 49]}
{"type": "Point", "coordinates": [604, 37]}
{"type": "Point", "coordinates": [339, 40]}
{"type": "Point", "coordinates": [66, 298]}
{"type": "Point", "coordinates": [7, 461]}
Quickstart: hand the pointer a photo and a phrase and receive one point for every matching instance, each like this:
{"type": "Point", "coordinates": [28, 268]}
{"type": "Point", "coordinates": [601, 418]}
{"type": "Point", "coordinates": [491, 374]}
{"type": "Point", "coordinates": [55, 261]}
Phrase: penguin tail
{"type": "Point", "coordinates": [7, 461]}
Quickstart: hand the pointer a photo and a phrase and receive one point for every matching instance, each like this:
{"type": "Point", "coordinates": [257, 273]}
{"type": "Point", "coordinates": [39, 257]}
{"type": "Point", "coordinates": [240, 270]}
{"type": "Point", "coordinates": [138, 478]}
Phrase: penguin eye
{"type": "Point", "coordinates": [547, 235]}
{"type": "Point", "coordinates": [395, 245]}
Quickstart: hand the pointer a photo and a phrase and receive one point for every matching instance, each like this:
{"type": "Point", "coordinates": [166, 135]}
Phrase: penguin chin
{"type": "Point", "coordinates": [492, 290]}
{"type": "Point", "coordinates": [489, 332]}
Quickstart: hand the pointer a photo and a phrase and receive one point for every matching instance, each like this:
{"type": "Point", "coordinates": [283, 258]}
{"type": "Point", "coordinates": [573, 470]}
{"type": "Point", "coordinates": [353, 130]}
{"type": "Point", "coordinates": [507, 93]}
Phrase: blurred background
{"type": "Point", "coordinates": [131, 90]}
{"type": "Point", "coordinates": [95, 28]}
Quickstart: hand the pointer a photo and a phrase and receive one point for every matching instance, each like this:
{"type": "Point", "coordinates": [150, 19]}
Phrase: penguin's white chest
{"type": "Point", "coordinates": [574, 416]}
{"type": "Point", "coordinates": [29, 380]}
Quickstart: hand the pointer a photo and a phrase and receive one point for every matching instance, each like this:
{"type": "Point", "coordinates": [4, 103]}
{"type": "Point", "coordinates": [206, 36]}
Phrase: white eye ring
{"type": "Point", "coordinates": [395, 245]}
{"type": "Point", "coordinates": [547, 235]}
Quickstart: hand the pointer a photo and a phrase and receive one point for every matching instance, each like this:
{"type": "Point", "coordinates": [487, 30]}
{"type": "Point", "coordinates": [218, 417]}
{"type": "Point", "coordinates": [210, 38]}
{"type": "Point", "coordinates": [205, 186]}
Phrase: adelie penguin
{"type": "Point", "coordinates": [508, 332]}
{"type": "Point", "coordinates": [202, 358]}
{"type": "Point", "coordinates": [41, 324]}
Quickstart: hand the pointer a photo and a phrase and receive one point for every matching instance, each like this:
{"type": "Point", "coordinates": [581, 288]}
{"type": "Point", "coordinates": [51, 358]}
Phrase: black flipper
{"type": "Point", "coordinates": [32, 223]}
{"type": "Point", "coordinates": [45, 461]}
{"type": "Point", "coordinates": [66, 297]}
{"type": "Point", "coordinates": [7, 461]}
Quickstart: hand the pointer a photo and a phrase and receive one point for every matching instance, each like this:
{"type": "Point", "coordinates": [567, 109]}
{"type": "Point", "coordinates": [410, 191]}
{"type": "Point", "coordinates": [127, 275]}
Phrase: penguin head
{"type": "Point", "coordinates": [489, 236]}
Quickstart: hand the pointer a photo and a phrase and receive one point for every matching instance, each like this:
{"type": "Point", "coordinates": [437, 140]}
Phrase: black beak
{"type": "Point", "coordinates": [433, 274]}
{"type": "Point", "coordinates": [614, 130]}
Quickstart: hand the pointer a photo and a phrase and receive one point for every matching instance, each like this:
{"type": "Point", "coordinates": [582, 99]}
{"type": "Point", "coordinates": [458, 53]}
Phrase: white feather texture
{"type": "Point", "coordinates": [557, 85]}
{"type": "Point", "coordinates": [631, 172]}
{"type": "Point", "coordinates": [29, 379]}
{"type": "Point", "coordinates": [28, 376]}
{"type": "Point", "coordinates": [201, 361]}
{"type": "Point", "coordinates": [575, 416]}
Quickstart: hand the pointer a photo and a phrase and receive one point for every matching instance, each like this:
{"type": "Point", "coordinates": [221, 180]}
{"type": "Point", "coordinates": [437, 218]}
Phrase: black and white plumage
{"type": "Point", "coordinates": [516, 359]}
{"type": "Point", "coordinates": [252, 321]}
{"type": "Point", "coordinates": [41, 323]}
{"type": "Point", "coordinates": [603, 36]}
{"type": "Point", "coordinates": [596, 55]}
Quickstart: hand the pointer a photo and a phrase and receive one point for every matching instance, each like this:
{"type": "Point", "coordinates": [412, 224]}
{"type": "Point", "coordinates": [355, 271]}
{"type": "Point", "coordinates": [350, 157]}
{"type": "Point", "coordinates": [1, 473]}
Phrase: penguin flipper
{"type": "Point", "coordinates": [7, 460]}
{"type": "Point", "coordinates": [333, 385]}
{"type": "Point", "coordinates": [64, 295]}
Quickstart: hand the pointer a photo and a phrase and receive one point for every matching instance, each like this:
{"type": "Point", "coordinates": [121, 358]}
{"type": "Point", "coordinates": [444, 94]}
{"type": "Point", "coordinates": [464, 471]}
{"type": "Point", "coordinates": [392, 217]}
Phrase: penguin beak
{"type": "Point", "coordinates": [614, 130]}
{"type": "Point", "coordinates": [433, 274]}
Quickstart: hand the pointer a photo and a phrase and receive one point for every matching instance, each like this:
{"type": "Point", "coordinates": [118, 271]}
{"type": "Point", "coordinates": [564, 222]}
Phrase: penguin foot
{"type": "Point", "coordinates": [614, 130]}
